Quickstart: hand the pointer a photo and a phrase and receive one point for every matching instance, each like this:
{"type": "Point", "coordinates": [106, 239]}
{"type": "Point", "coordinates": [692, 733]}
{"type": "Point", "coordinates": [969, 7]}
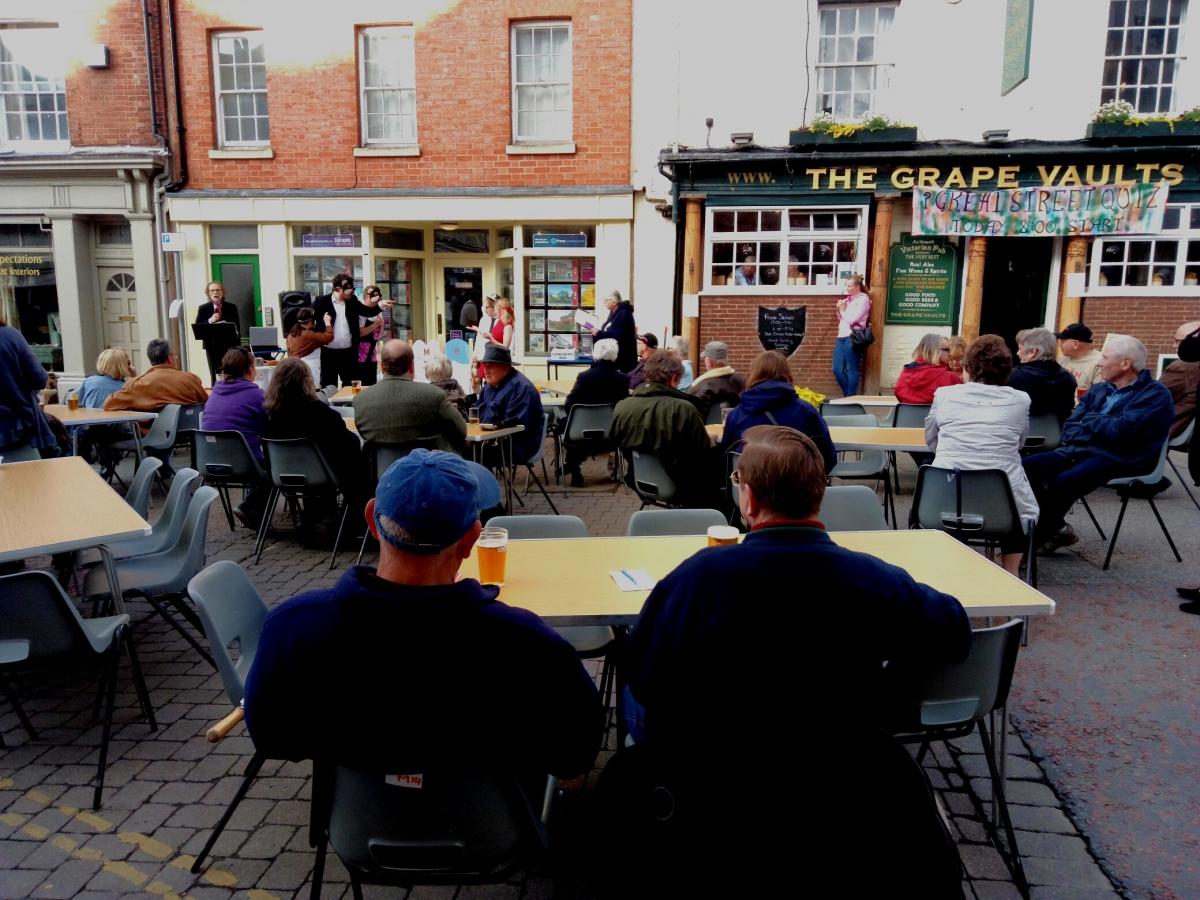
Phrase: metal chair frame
{"type": "Point", "coordinates": [297, 485]}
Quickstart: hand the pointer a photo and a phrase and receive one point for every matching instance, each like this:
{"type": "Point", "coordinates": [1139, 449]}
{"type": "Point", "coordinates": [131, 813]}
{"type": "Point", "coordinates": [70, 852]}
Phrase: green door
{"type": "Point", "coordinates": [239, 275]}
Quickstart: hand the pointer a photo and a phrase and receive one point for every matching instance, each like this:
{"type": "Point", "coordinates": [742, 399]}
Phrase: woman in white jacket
{"type": "Point", "coordinates": [982, 424]}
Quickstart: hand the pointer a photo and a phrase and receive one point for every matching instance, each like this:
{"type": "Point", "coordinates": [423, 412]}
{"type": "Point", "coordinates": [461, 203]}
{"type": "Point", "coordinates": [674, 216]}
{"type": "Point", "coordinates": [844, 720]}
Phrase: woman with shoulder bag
{"type": "Point", "coordinates": [853, 335]}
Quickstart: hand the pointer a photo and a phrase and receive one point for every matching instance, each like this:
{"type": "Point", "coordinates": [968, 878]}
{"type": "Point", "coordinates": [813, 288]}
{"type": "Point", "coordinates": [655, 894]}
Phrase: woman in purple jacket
{"type": "Point", "coordinates": [236, 404]}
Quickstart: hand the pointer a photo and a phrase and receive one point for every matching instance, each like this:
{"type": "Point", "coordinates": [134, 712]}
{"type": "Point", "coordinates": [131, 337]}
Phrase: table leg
{"type": "Point", "coordinates": [114, 585]}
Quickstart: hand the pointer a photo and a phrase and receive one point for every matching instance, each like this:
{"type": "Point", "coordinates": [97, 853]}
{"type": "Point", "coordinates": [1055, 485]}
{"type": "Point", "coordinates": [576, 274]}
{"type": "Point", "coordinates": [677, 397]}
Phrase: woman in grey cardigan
{"type": "Point", "coordinates": [982, 424]}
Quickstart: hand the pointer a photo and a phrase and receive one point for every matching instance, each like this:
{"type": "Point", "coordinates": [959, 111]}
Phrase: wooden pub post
{"type": "Point", "coordinates": [877, 279]}
{"type": "Point", "coordinates": [1070, 306]}
{"type": "Point", "coordinates": [693, 268]}
{"type": "Point", "coordinates": [973, 301]}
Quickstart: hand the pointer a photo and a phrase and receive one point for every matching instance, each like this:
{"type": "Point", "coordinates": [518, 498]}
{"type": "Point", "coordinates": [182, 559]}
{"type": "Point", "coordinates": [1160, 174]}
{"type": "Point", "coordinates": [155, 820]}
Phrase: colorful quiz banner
{"type": "Point", "coordinates": [1040, 211]}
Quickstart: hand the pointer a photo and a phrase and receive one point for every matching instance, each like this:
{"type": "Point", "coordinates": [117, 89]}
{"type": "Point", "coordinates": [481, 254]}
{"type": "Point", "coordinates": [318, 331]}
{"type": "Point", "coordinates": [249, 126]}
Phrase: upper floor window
{"type": "Point", "coordinates": [1168, 262]}
{"type": "Point", "coordinates": [853, 62]}
{"type": "Point", "coordinates": [33, 90]}
{"type": "Point", "coordinates": [1141, 55]}
{"type": "Point", "coordinates": [387, 74]}
{"type": "Point", "coordinates": [541, 82]}
{"type": "Point", "coordinates": [240, 68]}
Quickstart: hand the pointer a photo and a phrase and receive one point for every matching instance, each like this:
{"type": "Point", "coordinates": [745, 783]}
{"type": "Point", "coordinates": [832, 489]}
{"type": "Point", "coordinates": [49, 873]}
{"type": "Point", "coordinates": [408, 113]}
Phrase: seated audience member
{"type": "Point", "coordinates": [295, 411]}
{"type": "Point", "coordinates": [646, 344]}
{"type": "Point", "coordinates": [1079, 357]}
{"type": "Point", "coordinates": [236, 404]}
{"type": "Point", "coordinates": [601, 382]}
{"type": "Point", "coordinates": [1189, 352]}
{"type": "Point", "coordinates": [680, 347]}
{"type": "Point", "coordinates": [747, 272]}
{"type": "Point", "coordinates": [770, 399]}
{"type": "Point", "coordinates": [982, 425]}
{"type": "Point", "coordinates": [509, 398]}
{"type": "Point", "coordinates": [398, 409]}
{"type": "Point", "coordinates": [1050, 387]}
{"type": "Point", "coordinates": [927, 372]}
{"type": "Point", "coordinates": [957, 354]}
{"type": "Point", "coordinates": [1117, 429]}
{"type": "Point", "coordinates": [718, 383]}
{"type": "Point", "coordinates": [1181, 379]}
{"type": "Point", "coordinates": [304, 343]}
{"type": "Point", "coordinates": [716, 637]}
{"type": "Point", "coordinates": [660, 419]}
{"type": "Point", "coordinates": [112, 368]}
{"type": "Point", "coordinates": [440, 372]}
{"type": "Point", "coordinates": [499, 691]}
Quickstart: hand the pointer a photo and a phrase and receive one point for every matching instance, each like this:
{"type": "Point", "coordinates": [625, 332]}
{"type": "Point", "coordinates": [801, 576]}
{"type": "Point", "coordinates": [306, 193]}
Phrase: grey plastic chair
{"type": "Point", "coordinates": [1138, 487]}
{"type": "Point", "coordinates": [1044, 433]}
{"type": "Point", "coordinates": [20, 455]}
{"type": "Point", "coordinates": [191, 420]}
{"type": "Point", "coordinates": [232, 611]}
{"type": "Point", "coordinates": [974, 506]}
{"type": "Point", "coordinates": [164, 576]}
{"type": "Point", "coordinates": [838, 410]}
{"type": "Point", "coordinates": [379, 458]}
{"type": "Point", "coordinates": [909, 415]}
{"type": "Point", "coordinates": [161, 436]}
{"type": "Point", "coordinates": [651, 481]}
{"type": "Point", "coordinates": [538, 457]}
{"type": "Point", "coordinates": [165, 530]}
{"type": "Point", "coordinates": [952, 701]}
{"type": "Point", "coordinates": [589, 428]}
{"type": "Point", "coordinates": [138, 495]}
{"type": "Point", "coordinates": [872, 465]}
{"type": "Point", "coordinates": [715, 414]}
{"type": "Point", "coordinates": [852, 507]}
{"type": "Point", "coordinates": [34, 609]}
{"type": "Point", "coordinates": [224, 460]}
{"type": "Point", "coordinates": [1183, 442]}
{"type": "Point", "coordinates": [298, 469]}
{"type": "Point", "coordinates": [661, 522]}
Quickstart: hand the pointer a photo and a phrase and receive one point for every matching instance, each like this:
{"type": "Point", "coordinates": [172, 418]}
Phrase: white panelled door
{"type": "Point", "coordinates": [119, 301]}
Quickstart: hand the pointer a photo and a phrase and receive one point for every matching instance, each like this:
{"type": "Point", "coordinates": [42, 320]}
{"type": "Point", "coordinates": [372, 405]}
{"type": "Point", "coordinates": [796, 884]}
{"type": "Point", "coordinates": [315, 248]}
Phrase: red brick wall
{"type": "Point", "coordinates": [1152, 320]}
{"type": "Point", "coordinates": [463, 101]}
{"type": "Point", "coordinates": [111, 107]}
{"type": "Point", "coordinates": [734, 320]}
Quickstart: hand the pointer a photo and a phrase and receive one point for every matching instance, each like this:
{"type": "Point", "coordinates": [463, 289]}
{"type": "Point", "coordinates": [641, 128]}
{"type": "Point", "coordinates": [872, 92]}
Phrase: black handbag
{"type": "Point", "coordinates": [862, 335]}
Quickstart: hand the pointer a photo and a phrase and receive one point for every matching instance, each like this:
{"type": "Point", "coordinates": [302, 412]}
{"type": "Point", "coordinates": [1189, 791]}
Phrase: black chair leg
{"type": "Point", "coordinates": [1183, 481]}
{"type": "Point", "coordinates": [337, 541]}
{"type": "Point", "coordinates": [265, 525]}
{"type": "Point", "coordinates": [1014, 854]}
{"type": "Point", "coordinates": [318, 875]}
{"type": "Point", "coordinates": [1092, 516]}
{"type": "Point", "coordinates": [542, 488]}
{"type": "Point", "coordinates": [166, 614]}
{"type": "Point", "coordinates": [106, 732]}
{"type": "Point", "coordinates": [10, 694]}
{"type": "Point", "coordinates": [1163, 526]}
{"type": "Point", "coordinates": [1116, 531]}
{"type": "Point", "coordinates": [227, 505]}
{"type": "Point", "coordinates": [252, 768]}
{"type": "Point", "coordinates": [139, 682]}
{"type": "Point", "coordinates": [356, 885]}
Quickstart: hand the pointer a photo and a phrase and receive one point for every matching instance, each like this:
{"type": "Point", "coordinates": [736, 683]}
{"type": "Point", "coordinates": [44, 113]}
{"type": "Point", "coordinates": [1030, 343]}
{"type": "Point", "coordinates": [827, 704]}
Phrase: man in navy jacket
{"type": "Point", "coordinates": [509, 398]}
{"type": "Point", "coordinates": [756, 664]}
{"type": "Point", "coordinates": [1117, 429]}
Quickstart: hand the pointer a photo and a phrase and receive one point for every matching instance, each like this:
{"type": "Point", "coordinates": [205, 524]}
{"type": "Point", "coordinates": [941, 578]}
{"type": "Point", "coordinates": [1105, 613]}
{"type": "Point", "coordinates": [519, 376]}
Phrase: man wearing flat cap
{"type": "Point", "coordinates": [1077, 355]}
{"type": "Point", "coordinates": [406, 668]}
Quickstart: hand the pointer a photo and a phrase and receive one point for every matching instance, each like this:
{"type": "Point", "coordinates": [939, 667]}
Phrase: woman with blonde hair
{"type": "Point", "coordinates": [853, 313]}
{"type": "Point", "coordinates": [921, 378]}
{"type": "Point", "coordinates": [112, 368]}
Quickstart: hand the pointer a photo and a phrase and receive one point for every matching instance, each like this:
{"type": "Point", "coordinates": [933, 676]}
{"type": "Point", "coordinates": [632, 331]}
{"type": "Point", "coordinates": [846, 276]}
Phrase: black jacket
{"type": "Point", "coordinates": [601, 382]}
{"type": "Point", "coordinates": [355, 310]}
{"type": "Point", "coordinates": [1050, 387]}
{"type": "Point", "coordinates": [229, 313]}
{"type": "Point", "coordinates": [620, 327]}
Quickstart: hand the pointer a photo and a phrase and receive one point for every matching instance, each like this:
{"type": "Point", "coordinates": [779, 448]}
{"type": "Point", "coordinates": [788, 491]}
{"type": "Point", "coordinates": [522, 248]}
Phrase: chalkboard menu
{"type": "Point", "coordinates": [922, 282]}
{"type": "Point", "coordinates": [781, 328]}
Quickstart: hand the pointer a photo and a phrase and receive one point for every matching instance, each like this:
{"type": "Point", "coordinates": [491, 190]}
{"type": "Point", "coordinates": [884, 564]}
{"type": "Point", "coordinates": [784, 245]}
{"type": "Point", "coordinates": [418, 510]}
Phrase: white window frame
{"type": "Point", "coordinates": [406, 34]}
{"type": "Point", "coordinates": [222, 140]}
{"type": "Point", "coordinates": [518, 137]}
{"type": "Point", "coordinates": [783, 237]}
{"type": "Point", "coordinates": [879, 69]}
{"type": "Point", "coordinates": [1181, 236]}
{"type": "Point", "coordinates": [1135, 40]}
{"type": "Point", "coordinates": [47, 87]}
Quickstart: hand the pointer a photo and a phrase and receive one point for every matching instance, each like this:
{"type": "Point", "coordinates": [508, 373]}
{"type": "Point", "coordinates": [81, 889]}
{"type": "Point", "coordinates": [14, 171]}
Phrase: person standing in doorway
{"type": "Point", "coordinates": [215, 310]}
{"type": "Point", "coordinates": [853, 311]}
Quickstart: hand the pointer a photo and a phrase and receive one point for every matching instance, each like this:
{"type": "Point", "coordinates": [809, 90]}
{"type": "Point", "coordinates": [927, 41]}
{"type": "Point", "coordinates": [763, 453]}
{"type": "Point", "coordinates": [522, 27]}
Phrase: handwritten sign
{"type": "Point", "coordinates": [923, 274]}
{"type": "Point", "coordinates": [1040, 211]}
{"type": "Point", "coordinates": [781, 328]}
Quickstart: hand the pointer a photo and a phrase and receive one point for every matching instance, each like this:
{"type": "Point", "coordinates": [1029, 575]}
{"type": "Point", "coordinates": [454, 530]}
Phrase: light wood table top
{"type": "Point", "coordinates": [345, 395]}
{"type": "Point", "coordinates": [910, 440]}
{"type": "Point", "coordinates": [567, 582]}
{"type": "Point", "coordinates": [866, 400]}
{"type": "Point", "coordinates": [476, 433]}
{"type": "Point", "coordinates": [553, 401]}
{"type": "Point", "coordinates": [557, 386]}
{"type": "Point", "coordinates": [715, 432]}
{"type": "Point", "coordinates": [53, 505]}
{"type": "Point", "coordinates": [85, 416]}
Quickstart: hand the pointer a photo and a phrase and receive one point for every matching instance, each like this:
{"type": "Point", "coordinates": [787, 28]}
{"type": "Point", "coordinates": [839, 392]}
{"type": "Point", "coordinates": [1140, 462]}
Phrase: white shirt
{"type": "Point", "coordinates": [341, 327]}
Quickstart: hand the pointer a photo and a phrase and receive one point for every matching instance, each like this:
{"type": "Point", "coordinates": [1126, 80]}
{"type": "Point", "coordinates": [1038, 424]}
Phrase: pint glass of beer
{"type": "Point", "coordinates": [73, 401]}
{"type": "Point", "coordinates": [492, 549]}
{"type": "Point", "coordinates": [722, 534]}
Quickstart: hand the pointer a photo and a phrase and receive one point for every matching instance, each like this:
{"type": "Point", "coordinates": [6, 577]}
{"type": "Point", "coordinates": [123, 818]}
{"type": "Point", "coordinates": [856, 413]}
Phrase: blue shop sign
{"type": "Point", "coordinates": [579, 239]}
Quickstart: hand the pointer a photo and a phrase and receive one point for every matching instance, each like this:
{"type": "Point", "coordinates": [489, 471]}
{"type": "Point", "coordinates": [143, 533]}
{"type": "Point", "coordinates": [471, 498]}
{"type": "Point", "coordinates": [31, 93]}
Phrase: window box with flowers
{"type": "Point", "coordinates": [875, 129]}
{"type": "Point", "coordinates": [1115, 122]}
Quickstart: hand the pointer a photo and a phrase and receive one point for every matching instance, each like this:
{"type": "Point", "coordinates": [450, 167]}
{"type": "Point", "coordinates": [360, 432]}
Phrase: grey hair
{"type": "Point", "coordinates": [606, 349]}
{"type": "Point", "coordinates": [1130, 348]}
{"type": "Point", "coordinates": [679, 344]}
{"type": "Point", "coordinates": [438, 368]}
{"type": "Point", "coordinates": [158, 352]}
{"type": "Point", "coordinates": [1040, 339]}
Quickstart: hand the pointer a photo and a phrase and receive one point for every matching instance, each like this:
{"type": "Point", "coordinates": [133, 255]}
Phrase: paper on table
{"type": "Point", "coordinates": [633, 579]}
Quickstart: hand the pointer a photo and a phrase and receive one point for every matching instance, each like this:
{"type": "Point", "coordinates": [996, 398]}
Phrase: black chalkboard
{"type": "Point", "coordinates": [781, 328]}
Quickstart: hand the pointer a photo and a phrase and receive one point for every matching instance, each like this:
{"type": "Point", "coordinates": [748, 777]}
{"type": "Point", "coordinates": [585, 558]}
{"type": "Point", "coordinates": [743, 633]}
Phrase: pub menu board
{"type": "Point", "coordinates": [554, 288]}
{"type": "Point", "coordinates": [923, 278]}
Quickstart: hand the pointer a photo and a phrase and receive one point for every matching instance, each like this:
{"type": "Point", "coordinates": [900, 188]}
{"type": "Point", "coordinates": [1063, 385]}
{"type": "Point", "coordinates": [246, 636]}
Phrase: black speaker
{"type": "Point", "coordinates": [290, 303]}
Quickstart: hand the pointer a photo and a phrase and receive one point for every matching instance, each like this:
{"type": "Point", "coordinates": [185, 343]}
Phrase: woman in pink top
{"type": "Point", "coordinates": [853, 310]}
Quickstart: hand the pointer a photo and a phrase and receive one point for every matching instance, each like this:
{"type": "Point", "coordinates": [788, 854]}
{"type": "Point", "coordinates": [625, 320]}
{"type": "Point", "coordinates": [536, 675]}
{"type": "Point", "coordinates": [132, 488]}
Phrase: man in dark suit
{"type": "Point", "coordinates": [217, 309]}
{"type": "Point", "coordinates": [339, 358]}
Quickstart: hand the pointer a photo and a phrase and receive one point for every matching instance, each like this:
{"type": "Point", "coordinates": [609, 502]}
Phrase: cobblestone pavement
{"type": "Point", "coordinates": [165, 790]}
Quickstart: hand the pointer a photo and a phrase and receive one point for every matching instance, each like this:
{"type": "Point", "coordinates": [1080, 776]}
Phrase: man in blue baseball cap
{"type": "Point", "coordinates": [406, 668]}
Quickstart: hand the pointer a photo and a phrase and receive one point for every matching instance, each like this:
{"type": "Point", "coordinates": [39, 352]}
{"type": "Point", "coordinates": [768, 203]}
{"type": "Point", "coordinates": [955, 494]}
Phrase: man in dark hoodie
{"type": "Point", "coordinates": [1050, 387]}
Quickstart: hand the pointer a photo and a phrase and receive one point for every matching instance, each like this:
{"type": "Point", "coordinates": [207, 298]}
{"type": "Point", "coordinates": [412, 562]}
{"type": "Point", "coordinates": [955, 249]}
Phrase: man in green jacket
{"type": "Point", "coordinates": [660, 419]}
{"type": "Point", "coordinates": [398, 410]}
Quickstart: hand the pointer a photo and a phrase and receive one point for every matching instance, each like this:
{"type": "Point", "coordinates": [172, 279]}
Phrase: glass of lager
{"type": "Point", "coordinates": [722, 534]}
{"type": "Point", "coordinates": [492, 550]}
